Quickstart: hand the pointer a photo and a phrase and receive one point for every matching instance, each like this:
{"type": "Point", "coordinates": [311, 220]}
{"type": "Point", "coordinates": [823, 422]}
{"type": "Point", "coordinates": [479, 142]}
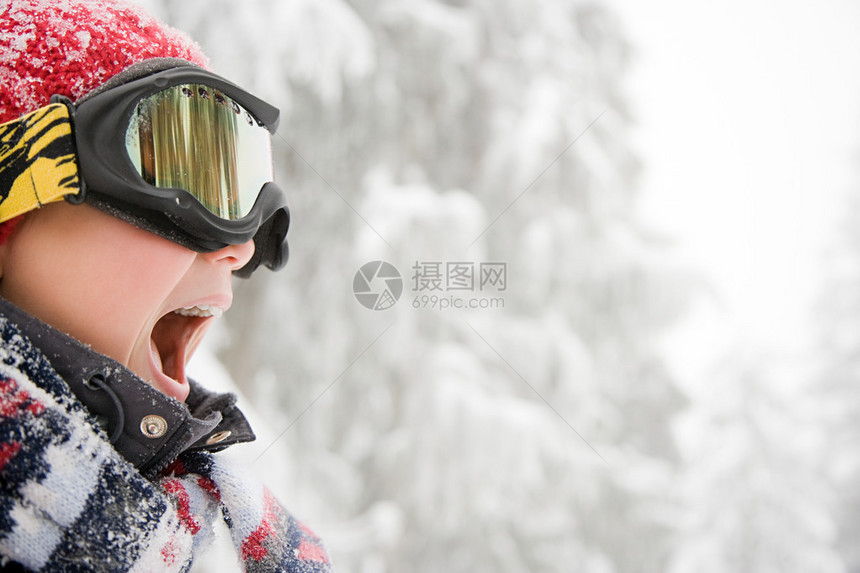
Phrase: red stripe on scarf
{"type": "Point", "coordinates": [7, 452]}
{"type": "Point", "coordinates": [311, 551]}
{"type": "Point", "coordinates": [209, 486]}
{"type": "Point", "coordinates": [170, 552]}
{"type": "Point", "coordinates": [14, 401]}
{"type": "Point", "coordinates": [310, 548]}
{"type": "Point", "coordinates": [175, 487]}
{"type": "Point", "coordinates": [252, 546]}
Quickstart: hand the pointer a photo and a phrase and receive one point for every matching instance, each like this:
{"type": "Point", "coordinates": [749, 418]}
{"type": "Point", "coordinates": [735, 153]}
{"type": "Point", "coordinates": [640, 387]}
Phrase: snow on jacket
{"type": "Point", "coordinates": [100, 472]}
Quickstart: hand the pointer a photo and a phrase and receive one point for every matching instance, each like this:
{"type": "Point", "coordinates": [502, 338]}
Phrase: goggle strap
{"type": "Point", "coordinates": [38, 161]}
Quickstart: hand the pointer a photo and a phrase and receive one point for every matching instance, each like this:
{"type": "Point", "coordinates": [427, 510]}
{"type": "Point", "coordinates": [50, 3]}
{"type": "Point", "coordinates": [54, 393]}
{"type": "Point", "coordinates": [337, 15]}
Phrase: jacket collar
{"type": "Point", "coordinates": [146, 427]}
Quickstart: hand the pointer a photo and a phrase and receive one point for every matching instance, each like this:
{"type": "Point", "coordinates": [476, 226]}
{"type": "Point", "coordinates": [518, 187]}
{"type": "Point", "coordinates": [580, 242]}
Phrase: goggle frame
{"type": "Point", "coordinates": [109, 179]}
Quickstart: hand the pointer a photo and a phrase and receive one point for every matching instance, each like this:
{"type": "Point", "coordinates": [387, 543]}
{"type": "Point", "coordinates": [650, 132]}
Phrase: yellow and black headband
{"type": "Point", "coordinates": [38, 163]}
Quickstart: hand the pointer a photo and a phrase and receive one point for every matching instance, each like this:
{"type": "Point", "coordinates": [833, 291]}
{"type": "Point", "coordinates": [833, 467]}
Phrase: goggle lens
{"type": "Point", "coordinates": [194, 137]}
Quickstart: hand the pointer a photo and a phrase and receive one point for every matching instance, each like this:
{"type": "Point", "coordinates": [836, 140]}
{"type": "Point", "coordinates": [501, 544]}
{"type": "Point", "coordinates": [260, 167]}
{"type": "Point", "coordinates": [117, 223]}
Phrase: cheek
{"type": "Point", "coordinates": [129, 285]}
{"type": "Point", "coordinates": [140, 269]}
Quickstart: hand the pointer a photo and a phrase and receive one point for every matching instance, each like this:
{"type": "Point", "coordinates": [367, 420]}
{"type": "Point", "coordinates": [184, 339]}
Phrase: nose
{"type": "Point", "coordinates": [234, 256]}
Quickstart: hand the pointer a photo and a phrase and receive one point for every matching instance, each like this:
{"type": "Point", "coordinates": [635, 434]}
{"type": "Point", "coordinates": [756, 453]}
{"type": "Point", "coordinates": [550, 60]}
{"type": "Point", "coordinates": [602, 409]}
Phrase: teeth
{"type": "Point", "coordinates": [200, 310]}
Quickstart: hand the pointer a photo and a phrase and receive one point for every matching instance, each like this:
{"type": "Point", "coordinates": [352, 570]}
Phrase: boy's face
{"type": "Point", "coordinates": [115, 287]}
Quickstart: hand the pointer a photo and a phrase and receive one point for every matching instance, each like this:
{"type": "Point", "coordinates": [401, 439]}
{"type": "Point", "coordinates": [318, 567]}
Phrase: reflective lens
{"type": "Point", "coordinates": [195, 138]}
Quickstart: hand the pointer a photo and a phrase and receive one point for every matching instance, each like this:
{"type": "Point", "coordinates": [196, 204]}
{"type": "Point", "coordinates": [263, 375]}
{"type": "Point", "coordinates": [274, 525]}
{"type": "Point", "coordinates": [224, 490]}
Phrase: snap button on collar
{"type": "Point", "coordinates": [218, 437]}
{"type": "Point", "coordinates": [153, 426]}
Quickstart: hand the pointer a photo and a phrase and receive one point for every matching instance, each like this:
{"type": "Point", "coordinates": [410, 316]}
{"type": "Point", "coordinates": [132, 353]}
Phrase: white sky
{"type": "Point", "coordinates": [749, 129]}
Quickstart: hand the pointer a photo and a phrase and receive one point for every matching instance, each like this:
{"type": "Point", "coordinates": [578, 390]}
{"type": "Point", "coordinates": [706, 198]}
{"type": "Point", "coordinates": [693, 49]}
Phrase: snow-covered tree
{"type": "Point", "coordinates": [838, 380]}
{"type": "Point", "coordinates": [755, 491]}
{"type": "Point", "coordinates": [536, 437]}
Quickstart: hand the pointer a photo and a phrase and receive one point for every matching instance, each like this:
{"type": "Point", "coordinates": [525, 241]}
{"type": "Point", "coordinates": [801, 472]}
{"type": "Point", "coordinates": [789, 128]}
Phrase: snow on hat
{"type": "Point", "coordinates": [71, 47]}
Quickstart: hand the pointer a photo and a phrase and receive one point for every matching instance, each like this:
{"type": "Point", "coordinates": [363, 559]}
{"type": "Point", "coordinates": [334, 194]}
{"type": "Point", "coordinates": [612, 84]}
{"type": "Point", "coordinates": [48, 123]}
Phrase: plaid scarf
{"type": "Point", "coordinates": [70, 502]}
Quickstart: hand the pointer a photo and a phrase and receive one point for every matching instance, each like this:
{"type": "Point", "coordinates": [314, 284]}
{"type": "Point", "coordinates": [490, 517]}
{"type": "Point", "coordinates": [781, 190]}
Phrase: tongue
{"type": "Point", "coordinates": [171, 335]}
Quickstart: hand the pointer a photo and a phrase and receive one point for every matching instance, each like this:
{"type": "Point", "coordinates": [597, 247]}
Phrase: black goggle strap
{"type": "Point", "coordinates": [38, 161]}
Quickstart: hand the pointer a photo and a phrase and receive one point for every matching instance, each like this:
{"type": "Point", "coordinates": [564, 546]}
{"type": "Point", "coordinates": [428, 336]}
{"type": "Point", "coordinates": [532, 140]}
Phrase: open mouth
{"type": "Point", "coordinates": [177, 335]}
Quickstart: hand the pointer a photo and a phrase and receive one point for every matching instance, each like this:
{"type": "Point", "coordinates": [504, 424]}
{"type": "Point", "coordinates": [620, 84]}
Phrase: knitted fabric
{"type": "Point", "coordinates": [68, 501]}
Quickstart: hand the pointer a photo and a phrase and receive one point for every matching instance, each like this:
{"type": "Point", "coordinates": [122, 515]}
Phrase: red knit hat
{"type": "Point", "coordinates": [71, 47]}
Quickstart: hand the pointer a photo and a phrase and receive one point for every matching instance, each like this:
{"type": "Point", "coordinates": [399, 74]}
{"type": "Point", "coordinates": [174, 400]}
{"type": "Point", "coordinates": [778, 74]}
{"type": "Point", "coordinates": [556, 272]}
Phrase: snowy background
{"type": "Point", "coordinates": [670, 380]}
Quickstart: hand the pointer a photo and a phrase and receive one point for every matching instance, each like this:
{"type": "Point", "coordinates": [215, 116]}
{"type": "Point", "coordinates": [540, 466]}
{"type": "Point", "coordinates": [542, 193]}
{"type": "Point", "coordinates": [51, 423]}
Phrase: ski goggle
{"type": "Point", "coordinates": [180, 152]}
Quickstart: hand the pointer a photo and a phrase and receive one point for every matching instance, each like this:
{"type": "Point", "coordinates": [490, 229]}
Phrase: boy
{"type": "Point", "coordinates": [133, 185]}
